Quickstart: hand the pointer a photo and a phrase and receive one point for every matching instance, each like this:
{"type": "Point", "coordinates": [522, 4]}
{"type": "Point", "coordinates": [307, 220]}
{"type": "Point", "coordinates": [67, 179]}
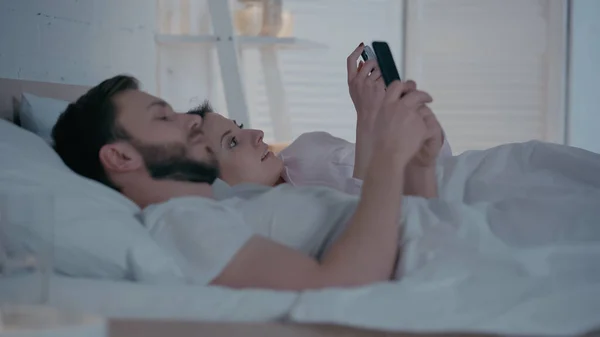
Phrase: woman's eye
{"type": "Point", "coordinates": [233, 143]}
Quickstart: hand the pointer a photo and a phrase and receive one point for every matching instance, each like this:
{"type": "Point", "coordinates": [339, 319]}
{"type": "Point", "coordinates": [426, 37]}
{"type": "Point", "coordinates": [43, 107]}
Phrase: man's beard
{"type": "Point", "coordinates": [171, 162]}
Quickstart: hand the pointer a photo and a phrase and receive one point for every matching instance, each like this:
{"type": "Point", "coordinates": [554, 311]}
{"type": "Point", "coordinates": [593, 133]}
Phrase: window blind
{"type": "Point", "coordinates": [494, 68]}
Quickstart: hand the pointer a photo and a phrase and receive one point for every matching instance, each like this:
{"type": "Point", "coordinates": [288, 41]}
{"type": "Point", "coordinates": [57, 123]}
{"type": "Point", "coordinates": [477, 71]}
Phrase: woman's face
{"type": "Point", "coordinates": [242, 155]}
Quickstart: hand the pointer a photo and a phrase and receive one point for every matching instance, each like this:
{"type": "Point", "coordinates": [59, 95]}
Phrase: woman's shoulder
{"type": "Point", "coordinates": [318, 158]}
{"type": "Point", "coordinates": [320, 137]}
{"type": "Point", "coordinates": [317, 144]}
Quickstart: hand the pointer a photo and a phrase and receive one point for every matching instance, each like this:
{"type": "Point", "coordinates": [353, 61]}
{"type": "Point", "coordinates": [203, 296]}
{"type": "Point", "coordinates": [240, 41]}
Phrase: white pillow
{"type": "Point", "coordinates": [95, 227]}
{"type": "Point", "coordinates": [39, 114]}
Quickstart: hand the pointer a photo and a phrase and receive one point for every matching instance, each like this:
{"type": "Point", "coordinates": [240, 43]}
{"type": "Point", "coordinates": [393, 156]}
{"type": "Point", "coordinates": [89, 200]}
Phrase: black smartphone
{"type": "Point", "coordinates": [389, 72]}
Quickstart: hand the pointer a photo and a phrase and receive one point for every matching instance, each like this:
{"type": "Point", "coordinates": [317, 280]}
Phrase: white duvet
{"type": "Point", "coordinates": [512, 246]}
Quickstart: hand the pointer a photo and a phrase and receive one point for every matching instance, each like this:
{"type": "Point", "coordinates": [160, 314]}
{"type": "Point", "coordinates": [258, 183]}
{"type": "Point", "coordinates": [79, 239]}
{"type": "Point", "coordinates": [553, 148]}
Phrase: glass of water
{"type": "Point", "coordinates": [27, 222]}
{"type": "Point", "coordinates": [26, 245]}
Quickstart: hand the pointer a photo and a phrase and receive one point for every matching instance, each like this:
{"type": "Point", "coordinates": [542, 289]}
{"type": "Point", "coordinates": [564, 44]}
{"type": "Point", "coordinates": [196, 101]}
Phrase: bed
{"type": "Point", "coordinates": [212, 311]}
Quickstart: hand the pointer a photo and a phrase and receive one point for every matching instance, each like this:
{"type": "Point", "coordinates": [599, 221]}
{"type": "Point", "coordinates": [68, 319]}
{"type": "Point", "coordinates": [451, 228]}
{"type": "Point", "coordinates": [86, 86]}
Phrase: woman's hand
{"type": "Point", "coordinates": [400, 129]}
{"type": "Point", "coordinates": [366, 87]}
{"type": "Point", "coordinates": [429, 151]}
{"type": "Point", "coordinates": [367, 90]}
{"type": "Point", "coordinates": [420, 173]}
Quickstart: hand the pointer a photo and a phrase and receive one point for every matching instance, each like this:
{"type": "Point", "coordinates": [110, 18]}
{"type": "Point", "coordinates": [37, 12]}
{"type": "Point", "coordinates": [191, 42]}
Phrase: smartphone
{"type": "Point", "coordinates": [389, 72]}
{"type": "Point", "coordinates": [368, 53]}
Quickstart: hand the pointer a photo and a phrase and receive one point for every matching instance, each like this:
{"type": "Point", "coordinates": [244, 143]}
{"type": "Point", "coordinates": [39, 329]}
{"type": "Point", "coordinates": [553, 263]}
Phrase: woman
{"type": "Point", "coordinates": [317, 158]}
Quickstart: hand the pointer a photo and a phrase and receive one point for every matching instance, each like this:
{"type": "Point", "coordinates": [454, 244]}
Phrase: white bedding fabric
{"type": "Point", "coordinates": [513, 248]}
{"type": "Point", "coordinates": [505, 308]}
{"type": "Point", "coordinates": [536, 272]}
{"type": "Point", "coordinates": [547, 283]}
{"type": "Point", "coordinates": [95, 229]}
{"type": "Point", "coordinates": [502, 305]}
{"type": "Point", "coordinates": [39, 114]}
{"type": "Point", "coordinates": [121, 299]}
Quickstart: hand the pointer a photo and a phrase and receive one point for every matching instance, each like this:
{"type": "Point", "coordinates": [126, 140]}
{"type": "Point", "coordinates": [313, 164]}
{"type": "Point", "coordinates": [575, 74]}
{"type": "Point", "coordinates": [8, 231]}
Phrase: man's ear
{"type": "Point", "coordinates": [120, 157]}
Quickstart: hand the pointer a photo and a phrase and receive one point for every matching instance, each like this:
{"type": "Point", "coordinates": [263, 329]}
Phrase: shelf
{"type": "Point", "coordinates": [243, 41]}
{"type": "Point", "coordinates": [169, 39]}
{"type": "Point", "coordinates": [282, 42]}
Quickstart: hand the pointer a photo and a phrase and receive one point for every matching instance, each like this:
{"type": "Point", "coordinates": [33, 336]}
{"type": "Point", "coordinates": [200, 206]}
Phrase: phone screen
{"type": "Point", "coordinates": [368, 54]}
{"type": "Point", "coordinates": [389, 72]}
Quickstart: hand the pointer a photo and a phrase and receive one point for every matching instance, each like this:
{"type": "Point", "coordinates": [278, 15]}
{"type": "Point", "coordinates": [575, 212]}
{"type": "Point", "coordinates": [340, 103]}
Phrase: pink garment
{"type": "Point", "coordinates": [318, 158]}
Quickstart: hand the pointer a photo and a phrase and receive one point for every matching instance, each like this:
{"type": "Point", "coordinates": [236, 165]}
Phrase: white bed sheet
{"type": "Point", "coordinates": [114, 299]}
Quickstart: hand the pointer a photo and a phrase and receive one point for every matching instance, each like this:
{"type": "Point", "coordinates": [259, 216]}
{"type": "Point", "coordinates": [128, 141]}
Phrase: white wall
{"type": "Point", "coordinates": [86, 41]}
{"type": "Point", "coordinates": [77, 41]}
{"type": "Point", "coordinates": [584, 82]}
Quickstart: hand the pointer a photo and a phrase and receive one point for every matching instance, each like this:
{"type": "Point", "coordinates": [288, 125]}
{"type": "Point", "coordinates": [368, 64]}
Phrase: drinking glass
{"type": "Point", "coordinates": [26, 245]}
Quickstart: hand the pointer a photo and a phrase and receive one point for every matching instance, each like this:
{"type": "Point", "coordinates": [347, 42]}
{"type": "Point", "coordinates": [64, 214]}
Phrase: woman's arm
{"type": "Point", "coordinates": [420, 173]}
{"type": "Point", "coordinates": [367, 90]}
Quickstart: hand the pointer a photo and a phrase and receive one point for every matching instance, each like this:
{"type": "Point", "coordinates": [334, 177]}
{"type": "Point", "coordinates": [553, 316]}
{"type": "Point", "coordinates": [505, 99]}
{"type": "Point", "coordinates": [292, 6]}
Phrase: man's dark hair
{"type": "Point", "coordinates": [90, 123]}
{"type": "Point", "coordinates": [205, 108]}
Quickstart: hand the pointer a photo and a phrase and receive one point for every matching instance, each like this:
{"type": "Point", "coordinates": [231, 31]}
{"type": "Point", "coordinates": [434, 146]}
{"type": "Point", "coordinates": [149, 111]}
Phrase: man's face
{"type": "Point", "coordinates": [171, 144]}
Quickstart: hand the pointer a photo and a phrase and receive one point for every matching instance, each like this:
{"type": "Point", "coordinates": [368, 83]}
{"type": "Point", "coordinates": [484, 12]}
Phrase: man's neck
{"type": "Point", "coordinates": [159, 191]}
